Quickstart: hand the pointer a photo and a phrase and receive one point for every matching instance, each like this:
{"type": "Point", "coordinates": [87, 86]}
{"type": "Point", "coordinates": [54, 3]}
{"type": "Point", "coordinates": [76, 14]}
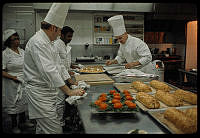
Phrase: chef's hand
{"type": "Point", "coordinates": [77, 92]}
{"type": "Point", "coordinates": [75, 83]}
{"type": "Point", "coordinates": [15, 79]}
{"type": "Point", "coordinates": [109, 62]}
{"type": "Point", "coordinates": [131, 64]}
{"type": "Point", "coordinates": [71, 73]}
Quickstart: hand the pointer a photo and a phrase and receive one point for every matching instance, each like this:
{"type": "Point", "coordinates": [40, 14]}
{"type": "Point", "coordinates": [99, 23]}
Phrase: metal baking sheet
{"type": "Point", "coordinates": [95, 111]}
{"type": "Point", "coordinates": [162, 105]}
{"type": "Point", "coordinates": [158, 116]}
{"type": "Point", "coordinates": [122, 86]}
{"type": "Point", "coordinates": [91, 72]}
{"type": "Point", "coordinates": [123, 79]}
{"type": "Point", "coordinates": [114, 69]}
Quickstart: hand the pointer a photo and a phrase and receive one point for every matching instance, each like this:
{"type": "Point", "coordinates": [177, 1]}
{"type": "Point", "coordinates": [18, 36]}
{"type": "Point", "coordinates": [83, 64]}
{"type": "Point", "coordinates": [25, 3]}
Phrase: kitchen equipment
{"type": "Point", "coordinates": [94, 79]}
{"type": "Point", "coordinates": [85, 59]}
{"type": "Point", "coordinates": [171, 51]}
{"type": "Point", "coordinates": [154, 50]}
{"type": "Point", "coordinates": [159, 66]}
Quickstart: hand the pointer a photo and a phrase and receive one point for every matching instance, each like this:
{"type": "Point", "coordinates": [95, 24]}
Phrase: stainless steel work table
{"type": "Point", "coordinates": [116, 123]}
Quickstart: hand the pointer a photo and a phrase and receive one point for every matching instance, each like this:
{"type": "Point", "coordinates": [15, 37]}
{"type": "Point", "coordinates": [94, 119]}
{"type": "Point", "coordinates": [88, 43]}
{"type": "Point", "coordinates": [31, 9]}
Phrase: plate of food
{"type": "Point", "coordinates": [113, 102]}
{"type": "Point", "coordinates": [92, 69]}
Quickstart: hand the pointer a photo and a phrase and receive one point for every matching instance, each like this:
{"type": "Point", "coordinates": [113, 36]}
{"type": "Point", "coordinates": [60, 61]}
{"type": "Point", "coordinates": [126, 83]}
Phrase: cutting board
{"type": "Point", "coordinates": [94, 79]}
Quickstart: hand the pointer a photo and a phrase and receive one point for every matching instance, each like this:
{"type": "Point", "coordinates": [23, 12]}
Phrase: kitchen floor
{"type": "Point", "coordinates": [6, 127]}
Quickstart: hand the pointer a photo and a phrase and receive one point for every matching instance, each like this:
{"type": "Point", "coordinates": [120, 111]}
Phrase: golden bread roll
{"type": "Point", "coordinates": [141, 87]}
{"type": "Point", "coordinates": [180, 120]}
{"type": "Point", "coordinates": [147, 100]}
{"type": "Point", "coordinates": [192, 113]}
{"type": "Point", "coordinates": [158, 85]}
{"type": "Point", "coordinates": [168, 98]}
{"type": "Point", "coordinates": [186, 96]}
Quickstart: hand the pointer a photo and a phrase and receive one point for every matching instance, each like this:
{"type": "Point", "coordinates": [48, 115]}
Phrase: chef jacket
{"type": "Point", "coordinates": [65, 54]}
{"type": "Point", "coordinates": [136, 50]}
{"type": "Point", "coordinates": [14, 101]}
{"type": "Point", "coordinates": [42, 75]}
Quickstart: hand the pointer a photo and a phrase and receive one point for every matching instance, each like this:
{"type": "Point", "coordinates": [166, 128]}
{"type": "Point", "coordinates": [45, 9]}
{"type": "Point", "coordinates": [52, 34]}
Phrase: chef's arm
{"type": "Point", "coordinates": [74, 66]}
{"type": "Point", "coordinates": [72, 82]}
{"type": "Point", "coordinates": [136, 63]}
{"type": "Point", "coordinates": [66, 90]}
{"type": "Point", "coordinates": [120, 57]}
{"type": "Point", "coordinates": [132, 64]}
{"type": "Point", "coordinates": [109, 62]}
{"type": "Point", "coordinates": [6, 75]}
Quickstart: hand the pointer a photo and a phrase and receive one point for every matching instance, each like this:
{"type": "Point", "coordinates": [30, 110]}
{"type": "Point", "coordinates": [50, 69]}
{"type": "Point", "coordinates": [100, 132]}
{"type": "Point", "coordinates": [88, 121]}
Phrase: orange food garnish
{"type": "Point", "coordinates": [116, 94]}
{"type": "Point", "coordinates": [128, 97]}
{"type": "Point", "coordinates": [112, 91]}
{"type": "Point", "coordinates": [117, 97]}
{"type": "Point", "coordinates": [127, 94]}
{"type": "Point", "coordinates": [103, 99]}
{"type": "Point", "coordinates": [118, 105]}
{"type": "Point", "coordinates": [103, 106]}
{"type": "Point", "coordinates": [125, 91]}
{"type": "Point", "coordinates": [103, 95]}
{"type": "Point", "coordinates": [131, 105]}
{"type": "Point", "coordinates": [127, 102]}
{"type": "Point", "coordinates": [115, 101]}
{"type": "Point", "coordinates": [98, 102]}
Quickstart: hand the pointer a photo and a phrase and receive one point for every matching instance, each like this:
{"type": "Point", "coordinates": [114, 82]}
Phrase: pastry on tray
{"type": "Point", "coordinates": [158, 85]}
{"type": "Point", "coordinates": [180, 120]}
{"type": "Point", "coordinates": [186, 96]}
{"type": "Point", "coordinates": [192, 113]}
{"type": "Point", "coordinates": [147, 100]}
{"type": "Point", "coordinates": [168, 98]}
{"type": "Point", "coordinates": [141, 87]}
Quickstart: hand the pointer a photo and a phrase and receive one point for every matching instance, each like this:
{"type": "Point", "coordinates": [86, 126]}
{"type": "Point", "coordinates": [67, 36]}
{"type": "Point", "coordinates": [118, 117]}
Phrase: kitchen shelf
{"type": "Point", "coordinates": [103, 33]}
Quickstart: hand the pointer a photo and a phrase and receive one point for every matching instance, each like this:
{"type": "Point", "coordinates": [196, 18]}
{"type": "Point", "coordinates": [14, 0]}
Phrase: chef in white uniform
{"type": "Point", "coordinates": [64, 51]}
{"type": "Point", "coordinates": [132, 50]}
{"type": "Point", "coordinates": [12, 71]}
{"type": "Point", "coordinates": [43, 73]}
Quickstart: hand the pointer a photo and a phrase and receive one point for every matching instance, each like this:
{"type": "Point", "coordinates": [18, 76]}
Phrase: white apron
{"type": "Point", "coordinates": [15, 97]}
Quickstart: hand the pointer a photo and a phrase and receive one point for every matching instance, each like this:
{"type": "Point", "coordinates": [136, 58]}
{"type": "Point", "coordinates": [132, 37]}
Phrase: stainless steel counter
{"type": "Point", "coordinates": [114, 123]}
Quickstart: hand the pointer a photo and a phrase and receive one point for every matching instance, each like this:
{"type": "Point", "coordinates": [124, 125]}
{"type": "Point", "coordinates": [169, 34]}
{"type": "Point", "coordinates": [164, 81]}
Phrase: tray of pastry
{"type": "Point", "coordinates": [177, 120]}
{"type": "Point", "coordinates": [148, 87]}
{"type": "Point", "coordinates": [161, 100]}
{"type": "Point", "coordinates": [92, 69]}
{"type": "Point", "coordinates": [129, 86]}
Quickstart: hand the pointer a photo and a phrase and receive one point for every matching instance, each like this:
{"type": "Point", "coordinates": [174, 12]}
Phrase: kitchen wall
{"type": "Point", "coordinates": [81, 23]}
{"type": "Point", "coordinates": [28, 23]}
{"type": "Point", "coordinates": [21, 19]}
{"type": "Point", "coordinates": [94, 50]}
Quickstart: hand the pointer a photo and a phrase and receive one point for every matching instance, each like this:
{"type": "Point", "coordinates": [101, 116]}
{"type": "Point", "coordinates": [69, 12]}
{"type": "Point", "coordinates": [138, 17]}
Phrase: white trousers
{"type": "Point", "coordinates": [48, 125]}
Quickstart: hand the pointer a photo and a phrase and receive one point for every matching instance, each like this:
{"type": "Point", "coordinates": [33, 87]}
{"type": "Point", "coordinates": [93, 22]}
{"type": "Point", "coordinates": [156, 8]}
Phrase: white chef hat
{"type": "Point", "coordinates": [7, 33]}
{"type": "Point", "coordinates": [117, 23]}
{"type": "Point", "coordinates": [57, 14]}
